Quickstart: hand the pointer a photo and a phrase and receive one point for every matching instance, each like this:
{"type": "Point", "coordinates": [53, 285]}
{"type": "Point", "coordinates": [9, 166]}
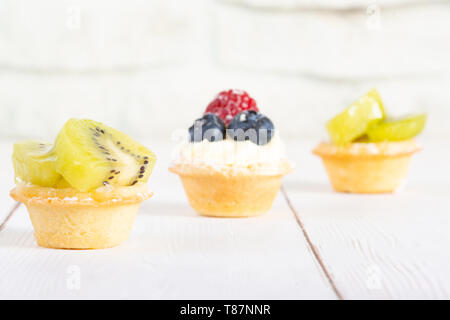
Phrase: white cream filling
{"type": "Point", "coordinates": [230, 153]}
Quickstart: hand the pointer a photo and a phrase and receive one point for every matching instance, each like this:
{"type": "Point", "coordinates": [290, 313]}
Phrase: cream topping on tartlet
{"type": "Point", "coordinates": [233, 155]}
{"type": "Point", "coordinates": [230, 152]}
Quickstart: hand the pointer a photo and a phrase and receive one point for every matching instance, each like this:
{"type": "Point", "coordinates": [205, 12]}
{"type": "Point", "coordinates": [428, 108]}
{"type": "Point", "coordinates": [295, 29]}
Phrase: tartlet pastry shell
{"type": "Point", "coordinates": [367, 167]}
{"type": "Point", "coordinates": [68, 219]}
{"type": "Point", "coordinates": [230, 192]}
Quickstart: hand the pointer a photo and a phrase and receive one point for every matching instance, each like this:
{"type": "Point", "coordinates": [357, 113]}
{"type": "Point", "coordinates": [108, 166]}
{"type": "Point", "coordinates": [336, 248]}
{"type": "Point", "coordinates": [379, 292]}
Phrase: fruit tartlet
{"type": "Point", "coordinates": [83, 191]}
{"type": "Point", "coordinates": [369, 153]}
{"type": "Point", "coordinates": [233, 161]}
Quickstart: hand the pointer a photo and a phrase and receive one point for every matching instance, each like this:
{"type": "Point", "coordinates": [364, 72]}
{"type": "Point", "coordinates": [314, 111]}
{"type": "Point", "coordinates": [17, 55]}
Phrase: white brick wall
{"type": "Point", "coordinates": [93, 34]}
{"type": "Point", "coordinates": [337, 44]}
{"type": "Point", "coordinates": [149, 67]}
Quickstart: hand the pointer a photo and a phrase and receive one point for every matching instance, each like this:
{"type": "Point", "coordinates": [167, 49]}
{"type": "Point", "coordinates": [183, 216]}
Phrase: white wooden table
{"type": "Point", "coordinates": [313, 244]}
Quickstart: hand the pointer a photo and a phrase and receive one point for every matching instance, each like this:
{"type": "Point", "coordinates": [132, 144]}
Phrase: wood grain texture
{"type": "Point", "coordinates": [372, 246]}
{"type": "Point", "coordinates": [172, 253]}
{"type": "Point", "coordinates": [313, 247]}
{"type": "Point", "coordinates": [392, 246]}
{"type": "Point", "coordinates": [9, 215]}
{"type": "Point", "coordinates": [6, 180]}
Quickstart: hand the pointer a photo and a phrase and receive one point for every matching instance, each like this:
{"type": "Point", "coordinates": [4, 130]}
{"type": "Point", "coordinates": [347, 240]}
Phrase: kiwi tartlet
{"type": "Point", "coordinates": [369, 153]}
{"type": "Point", "coordinates": [83, 191]}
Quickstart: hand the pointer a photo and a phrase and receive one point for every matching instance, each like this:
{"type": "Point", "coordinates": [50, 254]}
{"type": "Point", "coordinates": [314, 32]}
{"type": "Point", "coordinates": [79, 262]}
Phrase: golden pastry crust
{"type": "Point", "coordinates": [82, 227]}
{"type": "Point", "coordinates": [69, 219]}
{"type": "Point", "coordinates": [368, 150]}
{"type": "Point", "coordinates": [228, 192]}
{"type": "Point", "coordinates": [217, 195]}
{"type": "Point", "coordinates": [367, 167]}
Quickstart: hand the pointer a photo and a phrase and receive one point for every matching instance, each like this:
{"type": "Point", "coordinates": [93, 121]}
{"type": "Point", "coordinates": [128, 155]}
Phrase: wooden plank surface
{"type": "Point", "coordinates": [172, 253]}
{"type": "Point", "coordinates": [371, 246]}
{"type": "Point", "coordinates": [6, 180]}
{"type": "Point", "coordinates": [391, 246]}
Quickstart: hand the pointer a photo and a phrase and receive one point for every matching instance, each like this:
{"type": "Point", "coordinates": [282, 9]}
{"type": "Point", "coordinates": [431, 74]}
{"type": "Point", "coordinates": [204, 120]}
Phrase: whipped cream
{"type": "Point", "coordinates": [230, 153]}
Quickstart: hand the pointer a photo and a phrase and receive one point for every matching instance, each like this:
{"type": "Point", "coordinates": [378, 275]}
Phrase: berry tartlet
{"type": "Point", "coordinates": [233, 162]}
{"type": "Point", "coordinates": [368, 153]}
{"type": "Point", "coordinates": [83, 191]}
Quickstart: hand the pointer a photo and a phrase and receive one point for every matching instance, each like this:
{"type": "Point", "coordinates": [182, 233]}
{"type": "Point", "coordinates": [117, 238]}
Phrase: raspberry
{"type": "Point", "coordinates": [229, 103]}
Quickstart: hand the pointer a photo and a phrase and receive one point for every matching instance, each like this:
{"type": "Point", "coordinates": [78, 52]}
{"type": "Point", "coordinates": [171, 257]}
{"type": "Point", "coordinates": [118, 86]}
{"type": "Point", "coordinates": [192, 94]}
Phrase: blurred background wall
{"type": "Point", "coordinates": [151, 66]}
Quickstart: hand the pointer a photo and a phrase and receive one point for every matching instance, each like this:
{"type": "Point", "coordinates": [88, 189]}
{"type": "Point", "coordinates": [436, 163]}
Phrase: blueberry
{"type": "Point", "coordinates": [265, 129]}
{"type": "Point", "coordinates": [251, 125]}
{"type": "Point", "coordinates": [209, 127]}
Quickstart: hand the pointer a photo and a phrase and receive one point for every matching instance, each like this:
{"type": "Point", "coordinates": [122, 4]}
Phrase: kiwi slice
{"type": "Point", "coordinates": [374, 94]}
{"type": "Point", "coordinates": [91, 154]}
{"type": "Point", "coordinates": [362, 139]}
{"type": "Point", "coordinates": [397, 130]}
{"type": "Point", "coordinates": [62, 184]}
{"type": "Point", "coordinates": [35, 162]}
{"type": "Point", "coordinates": [353, 122]}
